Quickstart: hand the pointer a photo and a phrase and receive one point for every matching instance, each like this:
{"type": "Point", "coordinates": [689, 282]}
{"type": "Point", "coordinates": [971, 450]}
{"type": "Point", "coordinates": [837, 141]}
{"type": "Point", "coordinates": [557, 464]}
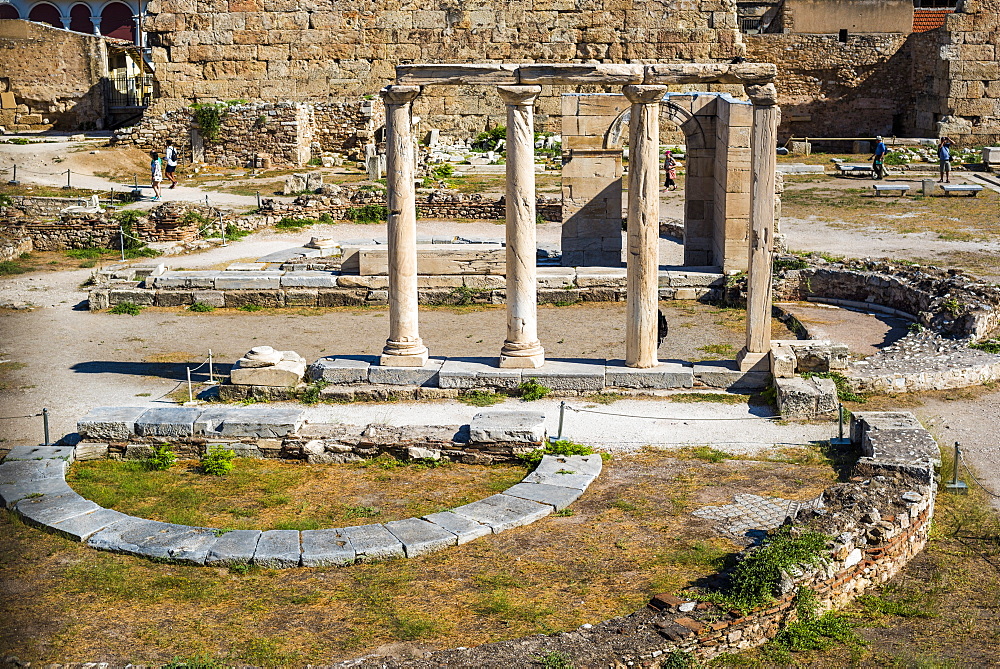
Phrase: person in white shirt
{"type": "Point", "coordinates": [155, 173]}
{"type": "Point", "coordinates": [171, 156]}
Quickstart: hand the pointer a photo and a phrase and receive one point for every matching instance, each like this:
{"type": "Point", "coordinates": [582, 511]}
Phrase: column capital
{"type": "Point", "coordinates": [762, 95]}
{"type": "Point", "coordinates": [519, 95]}
{"type": "Point", "coordinates": [399, 95]}
{"type": "Point", "coordinates": [644, 93]}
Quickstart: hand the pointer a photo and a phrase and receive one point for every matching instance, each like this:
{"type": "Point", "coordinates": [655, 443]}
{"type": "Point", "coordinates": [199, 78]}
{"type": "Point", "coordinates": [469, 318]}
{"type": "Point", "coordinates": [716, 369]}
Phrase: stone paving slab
{"type": "Point", "coordinates": [502, 512]}
{"type": "Point", "coordinates": [153, 539]}
{"type": "Point", "coordinates": [569, 374]}
{"type": "Point", "coordinates": [278, 549]}
{"type": "Point", "coordinates": [752, 514]}
{"type": "Point", "coordinates": [20, 471]}
{"type": "Point", "coordinates": [374, 542]}
{"type": "Point", "coordinates": [187, 279]}
{"type": "Point", "coordinates": [464, 529]}
{"type": "Point", "coordinates": [40, 453]}
{"type": "Point", "coordinates": [326, 548]}
{"type": "Point", "coordinates": [233, 547]}
{"type": "Point", "coordinates": [84, 525]}
{"type": "Point", "coordinates": [477, 373]}
{"type": "Point", "coordinates": [664, 375]}
{"type": "Point", "coordinates": [420, 536]}
{"type": "Point", "coordinates": [341, 370]}
{"type": "Point", "coordinates": [90, 450]}
{"type": "Point", "coordinates": [264, 280]}
{"type": "Point", "coordinates": [309, 279]}
{"type": "Point", "coordinates": [557, 497]}
{"type": "Point", "coordinates": [407, 376]}
{"type": "Point", "coordinates": [499, 425]}
{"type": "Point", "coordinates": [726, 374]}
{"type": "Point", "coordinates": [167, 422]}
{"type": "Point", "coordinates": [48, 509]}
{"type": "Point", "coordinates": [567, 472]}
{"type": "Point", "coordinates": [11, 493]}
{"type": "Point", "coordinates": [908, 446]}
{"type": "Point", "coordinates": [110, 423]}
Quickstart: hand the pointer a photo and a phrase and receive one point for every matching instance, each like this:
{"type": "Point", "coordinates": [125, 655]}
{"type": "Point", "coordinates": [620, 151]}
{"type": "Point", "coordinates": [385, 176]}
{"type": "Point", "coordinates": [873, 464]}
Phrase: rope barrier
{"type": "Point", "coordinates": [968, 469]}
{"type": "Point", "coordinates": [672, 418]}
{"type": "Point", "coordinates": [34, 415]}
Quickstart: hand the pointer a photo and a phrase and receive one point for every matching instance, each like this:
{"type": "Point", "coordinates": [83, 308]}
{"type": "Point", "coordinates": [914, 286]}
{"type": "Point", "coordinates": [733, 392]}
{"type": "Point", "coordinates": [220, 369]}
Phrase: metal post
{"type": "Point", "coordinates": [955, 485]}
{"type": "Point", "coordinates": [840, 440]}
{"type": "Point", "coordinates": [68, 172]}
{"type": "Point", "coordinates": [121, 236]}
{"type": "Point", "coordinates": [211, 373]}
{"type": "Point", "coordinates": [258, 199]}
{"type": "Point", "coordinates": [562, 415]}
{"type": "Point", "coordinates": [45, 425]}
{"type": "Point", "coordinates": [206, 200]}
{"type": "Point", "coordinates": [190, 393]}
{"type": "Point", "coordinates": [14, 181]}
{"type": "Point", "coordinates": [222, 229]}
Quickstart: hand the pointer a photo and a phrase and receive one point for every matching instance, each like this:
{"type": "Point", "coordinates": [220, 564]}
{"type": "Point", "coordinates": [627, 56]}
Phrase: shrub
{"type": "Point", "coordinates": [126, 308]}
{"type": "Point", "coordinates": [218, 460]}
{"type": "Point", "coordinates": [326, 219]}
{"type": "Point", "coordinates": [163, 457]}
{"type": "Point", "coordinates": [369, 213]}
{"type": "Point", "coordinates": [532, 390]}
{"type": "Point", "coordinates": [443, 171]}
{"type": "Point", "coordinates": [487, 141]}
{"type": "Point", "coordinates": [209, 116]}
{"type": "Point", "coordinates": [289, 223]}
{"type": "Point", "coordinates": [10, 267]}
{"type": "Point", "coordinates": [201, 307]}
{"type": "Point", "coordinates": [89, 253]}
{"type": "Point", "coordinates": [561, 447]}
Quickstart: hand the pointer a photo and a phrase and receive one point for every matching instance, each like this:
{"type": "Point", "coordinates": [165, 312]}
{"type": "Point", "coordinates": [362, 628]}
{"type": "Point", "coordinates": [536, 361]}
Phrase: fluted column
{"type": "Point", "coordinates": [404, 347]}
{"type": "Point", "coordinates": [643, 252]}
{"type": "Point", "coordinates": [762, 168]}
{"type": "Point", "coordinates": [521, 348]}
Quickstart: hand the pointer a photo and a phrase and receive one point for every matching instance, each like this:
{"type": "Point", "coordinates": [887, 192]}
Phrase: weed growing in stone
{"type": "Point", "coordinates": [679, 659]}
{"type": "Point", "coordinates": [844, 391]}
{"type": "Point", "coordinates": [561, 447]}
{"type": "Point", "coordinates": [311, 395]}
{"type": "Point", "coordinates": [706, 453]}
{"type": "Point", "coordinates": [554, 660]}
{"type": "Point", "coordinates": [605, 398]}
{"type": "Point", "coordinates": [163, 457]}
{"type": "Point", "coordinates": [251, 307]}
{"type": "Point", "coordinates": [990, 346]}
{"type": "Point", "coordinates": [217, 461]}
{"type": "Point", "coordinates": [721, 398]}
{"type": "Point", "coordinates": [201, 307]}
{"type": "Point", "coordinates": [361, 511]}
{"type": "Point", "coordinates": [532, 390]}
{"type": "Point", "coordinates": [481, 398]}
{"type": "Point", "coordinates": [754, 579]}
{"type": "Point", "coordinates": [126, 308]}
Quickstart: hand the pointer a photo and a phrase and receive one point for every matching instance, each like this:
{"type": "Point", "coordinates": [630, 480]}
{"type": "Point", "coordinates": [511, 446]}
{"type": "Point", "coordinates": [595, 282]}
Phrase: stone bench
{"type": "Point", "coordinates": [846, 169]}
{"type": "Point", "coordinates": [971, 189]}
{"type": "Point", "coordinates": [889, 188]}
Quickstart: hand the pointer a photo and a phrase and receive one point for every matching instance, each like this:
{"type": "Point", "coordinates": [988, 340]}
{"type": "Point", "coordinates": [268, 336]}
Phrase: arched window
{"type": "Point", "coordinates": [45, 13]}
{"type": "Point", "coordinates": [116, 21]}
{"type": "Point", "coordinates": [79, 19]}
{"type": "Point", "coordinates": [8, 12]}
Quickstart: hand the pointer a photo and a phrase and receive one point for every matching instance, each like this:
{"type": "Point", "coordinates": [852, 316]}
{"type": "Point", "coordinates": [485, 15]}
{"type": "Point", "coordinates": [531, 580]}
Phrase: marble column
{"type": "Point", "coordinates": [404, 347]}
{"type": "Point", "coordinates": [643, 245]}
{"type": "Point", "coordinates": [755, 355]}
{"type": "Point", "coordinates": [521, 348]}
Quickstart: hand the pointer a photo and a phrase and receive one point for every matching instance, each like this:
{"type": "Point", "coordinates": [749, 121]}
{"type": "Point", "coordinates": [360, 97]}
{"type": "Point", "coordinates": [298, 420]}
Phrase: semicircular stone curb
{"type": "Point", "coordinates": [33, 484]}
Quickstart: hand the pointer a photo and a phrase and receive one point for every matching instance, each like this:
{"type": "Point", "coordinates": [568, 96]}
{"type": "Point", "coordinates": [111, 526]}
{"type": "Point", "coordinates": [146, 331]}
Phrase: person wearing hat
{"type": "Point", "coordinates": [878, 164]}
{"type": "Point", "coordinates": [944, 159]}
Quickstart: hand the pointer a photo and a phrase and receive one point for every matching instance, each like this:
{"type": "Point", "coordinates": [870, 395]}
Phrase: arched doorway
{"type": "Point", "coordinates": [8, 12]}
{"type": "Point", "coordinates": [45, 13]}
{"type": "Point", "coordinates": [79, 19]}
{"type": "Point", "coordinates": [116, 21]}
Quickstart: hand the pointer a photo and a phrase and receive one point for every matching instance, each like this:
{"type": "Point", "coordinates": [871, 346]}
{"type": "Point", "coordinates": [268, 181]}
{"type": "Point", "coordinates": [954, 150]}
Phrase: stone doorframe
{"type": "Point", "coordinates": [519, 86]}
{"type": "Point", "coordinates": [717, 130]}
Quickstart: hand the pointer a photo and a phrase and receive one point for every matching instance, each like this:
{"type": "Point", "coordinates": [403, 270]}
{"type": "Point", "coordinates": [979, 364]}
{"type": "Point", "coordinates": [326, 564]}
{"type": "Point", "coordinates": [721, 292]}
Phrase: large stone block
{"type": "Point", "coordinates": [498, 425]}
{"type": "Point", "coordinates": [407, 376]}
{"type": "Point", "coordinates": [569, 374]}
{"type": "Point", "coordinates": [577, 471]}
{"type": "Point", "coordinates": [110, 423]}
{"type": "Point", "coordinates": [420, 536]}
{"type": "Point", "coordinates": [248, 280]}
{"type": "Point", "coordinates": [727, 374]}
{"type": "Point", "coordinates": [233, 547]}
{"type": "Point", "coordinates": [309, 280]}
{"type": "Point", "coordinates": [464, 529]}
{"type": "Point", "coordinates": [278, 549]}
{"type": "Point", "coordinates": [40, 453]}
{"type": "Point", "coordinates": [167, 422]}
{"type": "Point", "coordinates": [805, 397]}
{"type": "Point", "coordinates": [186, 279]}
{"type": "Point", "coordinates": [326, 548]}
{"type": "Point", "coordinates": [664, 375]}
{"type": "Point", "coordinates": [477, 373]}
{"type": "Point", "coordinates": [153, 539]}
{"type": "Point", "coordinates": [44, 510]}
{"type": "Point", "coordinates": [374, 542]}
{"type": "Point", "coordinates": [250, 421]}
{"type": "Point", "coordinates": [338, 370]}
{"type": "Point", "coordinates": [85, 525]}
{"type": "Point", "coordinates": [558, 497]}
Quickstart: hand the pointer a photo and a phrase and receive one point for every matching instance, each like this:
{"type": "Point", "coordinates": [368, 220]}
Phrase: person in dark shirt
{"type": "Point", "coordinates": [944, 159]}
{"type": "Point", "coordinates": [878, 162]}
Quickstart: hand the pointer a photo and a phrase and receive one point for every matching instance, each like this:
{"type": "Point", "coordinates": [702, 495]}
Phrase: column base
{"type": "Point", "coordinates": [413, 356]}
{"type": "Point", "coordinates": [753, 362]}
{"type": "Point", "coordinates": [638, 365]}
{"type": "Point", "coordinates": [522, 356]}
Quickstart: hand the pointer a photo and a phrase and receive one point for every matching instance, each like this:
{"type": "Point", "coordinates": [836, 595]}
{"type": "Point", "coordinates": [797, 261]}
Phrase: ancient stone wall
{"type": "Point", "coordinates": [316, 50]}
{"type": "Point", "coordinates": [55, 76]}
{"type": "Point", "coordinates": [282, 132]}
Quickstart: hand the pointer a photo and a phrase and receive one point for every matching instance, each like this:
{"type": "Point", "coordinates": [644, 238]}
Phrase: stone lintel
{"type": "Point", "coordinates": [457, 73]}
{"type": "Point", "coordinates": [708, 73]}
{"type": "Point", "coordinates": [579, 73]}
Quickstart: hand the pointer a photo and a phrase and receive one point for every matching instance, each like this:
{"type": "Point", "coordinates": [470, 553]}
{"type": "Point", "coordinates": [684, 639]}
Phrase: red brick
{"type": "Point", "coordinates": [665, 601]}
{"type": "Point", "coordinates": [689, 623]}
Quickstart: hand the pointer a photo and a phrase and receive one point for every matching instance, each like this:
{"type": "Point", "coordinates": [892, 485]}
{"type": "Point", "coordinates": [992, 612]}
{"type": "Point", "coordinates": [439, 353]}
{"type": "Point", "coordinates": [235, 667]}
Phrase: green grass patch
{"type": "Point", "coordinates": [481, 398]}
{"type": "Point", "coordinates": [126, 309]}
{"type": "Point", "coordinates": [561, 447]}
{"type": "Point", "coordinates": [706, 453]}
{"type": "Point", "coordinates": [719, 398]}
{"type": "Point", "coordinates": [289, 223]}
{"type": "Point", "coordinates": [369, 213]}
{"type": "Point", "coordinates": [251, 308]}
{"type": "Point", "coordinates": [11, 267]}
{"type": "Point", "coordinates": [201, 307]}
{"type": "Point", "coordinates": [844, 391]}
{"type": "Point", "coordinates": [990, 346]}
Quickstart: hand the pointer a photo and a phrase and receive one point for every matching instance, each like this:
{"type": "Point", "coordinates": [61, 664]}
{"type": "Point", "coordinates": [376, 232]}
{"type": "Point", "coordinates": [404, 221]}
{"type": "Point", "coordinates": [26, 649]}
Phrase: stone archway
{"type": "Point", "coordinates": [716, 128]}
{"type": "Point", "coordinates": [8, 11]}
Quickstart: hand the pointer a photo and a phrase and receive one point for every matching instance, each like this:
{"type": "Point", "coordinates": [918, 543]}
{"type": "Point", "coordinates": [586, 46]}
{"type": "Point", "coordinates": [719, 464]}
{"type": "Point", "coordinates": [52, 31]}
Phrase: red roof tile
{"type": "Point", "coordinates": [929, 19]}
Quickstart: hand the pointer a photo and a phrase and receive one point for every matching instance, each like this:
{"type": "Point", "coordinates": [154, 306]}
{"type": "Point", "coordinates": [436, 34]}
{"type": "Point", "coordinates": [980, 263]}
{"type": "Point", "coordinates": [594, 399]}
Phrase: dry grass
{"type": "Point", "coordinates": [629, 537]}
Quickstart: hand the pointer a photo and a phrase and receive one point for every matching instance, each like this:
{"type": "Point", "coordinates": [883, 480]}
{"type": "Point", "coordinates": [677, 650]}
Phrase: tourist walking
{"type": "Point", "coordinates": [944, 159]}
{"type": "Point", "coordinates": [670, 167]}
{"type": "Point", "coordinates": [155, 173]}
{"type": "Point", "coordinates": [171, 157]}
{"type": "Point", "coordinates": [878, 159]}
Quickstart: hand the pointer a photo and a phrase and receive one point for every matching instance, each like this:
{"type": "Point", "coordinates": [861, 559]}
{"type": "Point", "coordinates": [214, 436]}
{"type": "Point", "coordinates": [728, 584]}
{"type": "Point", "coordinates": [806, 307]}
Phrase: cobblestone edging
{"type": "Point", "coordinates": [952, 311]}
{"type": "Point", "coordinates": [879, 520]}
{"type": "Point", "coordinates": [32, 483]}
